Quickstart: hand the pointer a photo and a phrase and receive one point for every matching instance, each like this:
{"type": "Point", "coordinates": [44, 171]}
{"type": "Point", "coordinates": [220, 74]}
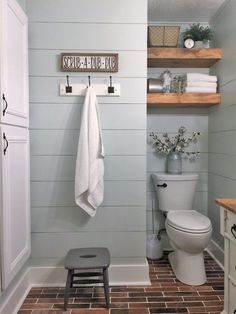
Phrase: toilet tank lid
{"type": "Point", "coordinates": [189, 220]}
{"type": "Point", "coordinates": [177, 177]}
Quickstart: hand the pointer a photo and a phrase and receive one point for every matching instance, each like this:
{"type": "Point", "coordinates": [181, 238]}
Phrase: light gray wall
{"type": "Point", "coordinates": [57, 223]}
{"type": "Point", "coordinates": [222, 119]}
{"type": "Point", "coordinates": [161, 120]}
{"type": "Point", "coordinates": [22, 3]}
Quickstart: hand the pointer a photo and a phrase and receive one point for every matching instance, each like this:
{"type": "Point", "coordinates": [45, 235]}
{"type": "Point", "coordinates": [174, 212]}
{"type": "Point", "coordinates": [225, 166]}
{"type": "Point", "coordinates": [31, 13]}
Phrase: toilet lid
{"type": "Point", "coordinates": [191, 221]}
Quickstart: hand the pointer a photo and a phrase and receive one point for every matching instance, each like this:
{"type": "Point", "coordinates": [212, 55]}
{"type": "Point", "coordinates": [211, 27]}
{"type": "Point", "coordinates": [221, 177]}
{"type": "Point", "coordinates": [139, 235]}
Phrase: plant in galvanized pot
{"type": "Point", "coordinates": [174, 147]}
{"type": "Point", "coordinates": [201, 35]}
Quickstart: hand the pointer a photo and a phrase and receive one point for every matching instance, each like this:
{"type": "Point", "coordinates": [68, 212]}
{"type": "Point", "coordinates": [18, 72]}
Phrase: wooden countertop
{"type": "Point", "coordinates": [228, 203]}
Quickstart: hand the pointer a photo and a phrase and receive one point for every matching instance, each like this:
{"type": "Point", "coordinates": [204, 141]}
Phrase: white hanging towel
{"type": "Point", "coordinates": [89, 173]}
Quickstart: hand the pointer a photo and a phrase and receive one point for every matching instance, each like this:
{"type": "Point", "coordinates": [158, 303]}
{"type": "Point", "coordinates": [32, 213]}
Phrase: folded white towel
{"type": "Point", "coordinates": [200, 84]}
{"type": "Point", "coordinates": [200, 90]}
{"type": "Point", "coordinates": [89, 182]}
{"type": "Point", "coordinates": [200, 77]}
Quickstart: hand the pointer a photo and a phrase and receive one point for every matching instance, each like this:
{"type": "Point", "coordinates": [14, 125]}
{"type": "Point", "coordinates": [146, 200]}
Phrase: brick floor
{"type": "Point", "coordinates": [165, 295]}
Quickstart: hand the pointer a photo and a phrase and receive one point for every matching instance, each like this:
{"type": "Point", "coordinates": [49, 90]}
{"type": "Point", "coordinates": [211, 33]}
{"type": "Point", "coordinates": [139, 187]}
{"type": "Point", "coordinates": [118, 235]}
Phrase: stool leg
{"type": "Point", "coordinates": [106, 286]}
{"type": "Point", "coordinates": [71, 282]}
{"type": "Point", "coordinates": [67, 289]}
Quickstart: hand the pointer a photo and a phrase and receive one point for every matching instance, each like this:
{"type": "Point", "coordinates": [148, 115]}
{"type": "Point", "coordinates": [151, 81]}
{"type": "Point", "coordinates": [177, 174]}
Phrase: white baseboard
{"type": "Point", "coordinates": [120, 274]}
{"type": "Point", "coordinates": [216, 252]}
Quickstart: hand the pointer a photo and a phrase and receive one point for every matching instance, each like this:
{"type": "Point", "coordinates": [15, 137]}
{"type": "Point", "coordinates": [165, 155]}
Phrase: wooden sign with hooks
{"type": "Point", "coordinates": [89, 62]}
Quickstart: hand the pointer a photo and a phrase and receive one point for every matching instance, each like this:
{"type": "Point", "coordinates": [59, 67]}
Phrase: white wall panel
{"type": "Point", "coordinates": [72, 219]}
{"type": "Point", "coordinates": [132, 244]}
{"type": "Point", "coordinates": [117, 193]}
{"type": "Point", "coordinates": [69, 115]}
{"type": "Point", "coordinates": [62, 168]}
{"type": "Point", "coordinates": [71, 25]}
{"type": "Point", "coordinates": [85, 11]}
{"type": "Point", "coordinates": [87, 36]}
{"type": "Point", "coordinates": [64, 142]}
{"type": "Point", "coordinates": [223, 142]}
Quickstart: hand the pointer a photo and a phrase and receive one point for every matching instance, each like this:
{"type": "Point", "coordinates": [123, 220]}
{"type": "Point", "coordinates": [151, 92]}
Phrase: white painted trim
{"type": "Point", "coordinates": [216, 252]}
{"type": "Point", "coordinates": [16, 295]}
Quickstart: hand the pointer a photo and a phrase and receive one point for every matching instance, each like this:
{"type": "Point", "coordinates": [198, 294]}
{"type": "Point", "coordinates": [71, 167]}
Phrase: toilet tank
{"type": "Point", "coordinates": [175, 192]}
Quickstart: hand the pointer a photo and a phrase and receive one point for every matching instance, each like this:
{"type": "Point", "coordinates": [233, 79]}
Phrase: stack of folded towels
{"type": "Point", "coordinates": [200, 83]}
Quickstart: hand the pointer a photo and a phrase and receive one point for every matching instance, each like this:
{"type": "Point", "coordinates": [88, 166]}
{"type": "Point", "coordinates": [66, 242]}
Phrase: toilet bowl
{"type": "Point", "coordinates": [189, 231]}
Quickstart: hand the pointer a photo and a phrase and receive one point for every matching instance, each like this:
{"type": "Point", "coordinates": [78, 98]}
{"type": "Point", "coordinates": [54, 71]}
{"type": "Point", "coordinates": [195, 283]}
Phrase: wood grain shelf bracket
{"type": "Point", "coordinates": [183, 58]}
{"type": "Point", "coordinates": [183, 100]}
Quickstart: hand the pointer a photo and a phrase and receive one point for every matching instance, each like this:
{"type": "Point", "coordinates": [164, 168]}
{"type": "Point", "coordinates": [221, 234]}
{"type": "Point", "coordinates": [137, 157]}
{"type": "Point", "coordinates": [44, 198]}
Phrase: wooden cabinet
{"type": "Point", "coordinates": [227, 226]}
{"type": "Point", "coordinates": [14, 142]}
{"type": "Point", "coordinates": [13, 64]}
{"type": "Point", "coordinates": [15, 215]}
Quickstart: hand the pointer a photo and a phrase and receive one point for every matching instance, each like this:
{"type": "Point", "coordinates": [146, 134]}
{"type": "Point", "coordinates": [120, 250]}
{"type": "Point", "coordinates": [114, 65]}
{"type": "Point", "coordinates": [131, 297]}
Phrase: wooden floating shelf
{"type": "Point", "coordinates": [183, 57]}
{"type": "Point", "coordinates": [183, 100]}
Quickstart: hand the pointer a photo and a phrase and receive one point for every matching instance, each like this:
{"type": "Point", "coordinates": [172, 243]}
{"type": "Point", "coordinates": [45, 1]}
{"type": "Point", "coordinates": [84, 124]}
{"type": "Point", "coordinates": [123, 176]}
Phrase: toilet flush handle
{"type": "Point", "coordinates": [233, 230]}
{"type": "Point", "coordinates": [164, 185]}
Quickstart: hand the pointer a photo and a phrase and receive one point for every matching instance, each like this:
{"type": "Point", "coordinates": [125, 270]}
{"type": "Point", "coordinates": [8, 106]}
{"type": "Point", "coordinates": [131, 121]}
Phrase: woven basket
{"type": "Point", "coordinates": [163, 36]}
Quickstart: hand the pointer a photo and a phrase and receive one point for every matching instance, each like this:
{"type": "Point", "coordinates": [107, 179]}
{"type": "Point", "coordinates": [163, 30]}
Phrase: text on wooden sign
{"type": "Point", "coordinates": [89, 62]}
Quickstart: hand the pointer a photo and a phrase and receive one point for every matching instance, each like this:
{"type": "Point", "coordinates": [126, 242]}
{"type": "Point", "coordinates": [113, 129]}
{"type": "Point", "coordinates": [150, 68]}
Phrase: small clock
{"type": "Point", "coordinates": [189, 43]}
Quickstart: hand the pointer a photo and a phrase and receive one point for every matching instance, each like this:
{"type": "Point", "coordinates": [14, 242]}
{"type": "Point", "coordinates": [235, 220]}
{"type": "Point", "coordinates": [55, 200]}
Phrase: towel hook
{"type": "Point", "coordinates": [111, 89]}
{"type": "Point", "coordinates": [68, 87]}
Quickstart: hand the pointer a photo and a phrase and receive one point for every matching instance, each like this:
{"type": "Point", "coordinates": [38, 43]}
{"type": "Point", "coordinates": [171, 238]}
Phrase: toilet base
{"type": "Point", "coordinates": [188, 268]}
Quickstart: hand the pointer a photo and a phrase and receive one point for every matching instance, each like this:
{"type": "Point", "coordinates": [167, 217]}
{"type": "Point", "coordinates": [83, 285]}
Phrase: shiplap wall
{"type": "Point", "coordinates": [161, 121]}
{"type": "Point", "coordinates": [57, 223]}
{"type": "Point", "coordinates": [222, 119]}
{"type": "Point", "coordinates": [169, 120]}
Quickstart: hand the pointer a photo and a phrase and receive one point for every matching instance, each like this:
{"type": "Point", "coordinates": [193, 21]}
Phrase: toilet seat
{"type": "Point", "coordinates": [189, 221]}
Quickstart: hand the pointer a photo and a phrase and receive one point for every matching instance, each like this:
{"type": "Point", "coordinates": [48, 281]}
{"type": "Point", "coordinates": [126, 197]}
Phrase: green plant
{"type": "Point", "coordinates": [199, 32]}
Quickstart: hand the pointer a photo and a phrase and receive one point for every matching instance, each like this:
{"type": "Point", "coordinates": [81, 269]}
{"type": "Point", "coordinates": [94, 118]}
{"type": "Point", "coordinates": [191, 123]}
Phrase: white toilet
{"type": "Point", "coordinates": [188, 230]}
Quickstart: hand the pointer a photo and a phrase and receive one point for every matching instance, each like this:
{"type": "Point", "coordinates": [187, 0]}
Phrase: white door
{"type": "Point", "coordinates": [13, 64]}
{"type": "Point", "coordinates": [15, 215]}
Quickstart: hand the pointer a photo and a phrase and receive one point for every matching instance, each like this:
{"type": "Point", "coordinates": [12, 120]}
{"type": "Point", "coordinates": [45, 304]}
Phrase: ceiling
{"type": "Point", "coordinates": [182, 10]}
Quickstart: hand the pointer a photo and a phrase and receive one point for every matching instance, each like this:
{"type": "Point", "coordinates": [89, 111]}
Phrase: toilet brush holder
{"type": "Point", "coordinates": [154, 249]}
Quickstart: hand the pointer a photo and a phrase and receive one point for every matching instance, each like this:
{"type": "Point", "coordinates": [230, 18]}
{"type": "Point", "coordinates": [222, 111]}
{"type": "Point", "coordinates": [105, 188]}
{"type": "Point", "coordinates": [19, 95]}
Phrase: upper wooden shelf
{"type": "Point", "coordinates": [182, 100]}
{"type": "Point", "coordinates": [183, 57]}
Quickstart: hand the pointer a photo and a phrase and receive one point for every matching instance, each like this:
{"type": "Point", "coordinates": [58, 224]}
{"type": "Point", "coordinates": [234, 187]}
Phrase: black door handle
{"type": "Point", "coordinates": [164, 185]}
{"type": "Point", "coordinates": [233, 231]}
{"type": "Point", "coordinates": [6, 141]}
{"type": "Point", "coordinates": [6, 104]}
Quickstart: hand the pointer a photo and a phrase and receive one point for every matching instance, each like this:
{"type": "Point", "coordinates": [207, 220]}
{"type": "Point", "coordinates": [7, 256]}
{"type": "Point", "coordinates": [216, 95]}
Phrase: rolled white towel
{"type": "Point", "coordinates": [201, 84]}
{"type": "Point", "coordinates": [200, 77]}
{"type": "Point", "coordinates": [200, 90]}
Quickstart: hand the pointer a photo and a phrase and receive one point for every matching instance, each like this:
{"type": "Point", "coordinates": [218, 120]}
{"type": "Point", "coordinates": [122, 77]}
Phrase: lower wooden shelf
{"type": "Point", "coordinates": [183, 100]}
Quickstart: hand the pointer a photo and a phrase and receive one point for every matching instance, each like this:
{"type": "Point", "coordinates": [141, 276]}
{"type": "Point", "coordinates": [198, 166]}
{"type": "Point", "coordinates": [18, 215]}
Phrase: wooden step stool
{"type": "Point", "coordinates": [79, 262]}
